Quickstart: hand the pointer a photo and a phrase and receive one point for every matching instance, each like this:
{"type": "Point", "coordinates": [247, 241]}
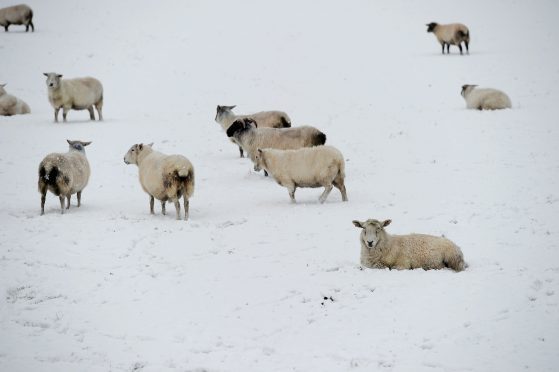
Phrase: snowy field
{"type": "Point", "coordinates": [241, 286]}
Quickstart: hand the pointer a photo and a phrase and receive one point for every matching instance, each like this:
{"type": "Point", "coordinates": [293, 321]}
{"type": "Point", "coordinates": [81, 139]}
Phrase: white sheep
{"type": "Point", "coordinates": [401, 252]}
{"type": "Point", "coordinates": [64, 174]}
{"type": "Point", "coordinates": [484, 98]}
{"type": "Point", "coordinates": [74, 94]}
{"type": "Point", "coordinates": [320, 166]}
{"type": "Point", "coordinates": [17, 15]}
{"type": "Point", "coordinates": [164, 177]}
{"type": "Point", "coordinates": [451, 34]}
{"type": "Point", "coordinates": [251, 138]}
{"type": "Point", "coordinates": [10, 105]}
{"type": "Point", "coordinates": [264, 119]}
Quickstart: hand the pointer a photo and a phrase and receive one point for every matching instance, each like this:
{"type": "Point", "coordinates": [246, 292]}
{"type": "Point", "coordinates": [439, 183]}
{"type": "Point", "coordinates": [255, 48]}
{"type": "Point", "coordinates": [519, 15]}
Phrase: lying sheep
{"type": "Point", "coordinates": [264, 119]}
{"type": "Point", "coordinates": [10, 105]}
{"type": "Point", "coordinates": [164, 177]}
{"type": "Point", "coordinates": [64, 174]}
{"type": "Point", "coordinates": [451, 34]}
{"type": "Point", "coordinates": [17, 15]}
{"type": "Point", "coordinates": [401, 252]}
{"type": "Point", "coordinates": [247, 135]}
{"type": "Point", "coordinates": [74, 94]}
{"type": "Point", "coordinates": [320, 166]}
{"type": "Point", "coordinates": [484, 99]}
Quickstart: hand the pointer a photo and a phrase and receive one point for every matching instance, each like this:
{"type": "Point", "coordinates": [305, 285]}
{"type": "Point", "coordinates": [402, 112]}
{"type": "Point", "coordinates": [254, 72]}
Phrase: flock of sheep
{"type": "Point", "coordinates": [293, 156]}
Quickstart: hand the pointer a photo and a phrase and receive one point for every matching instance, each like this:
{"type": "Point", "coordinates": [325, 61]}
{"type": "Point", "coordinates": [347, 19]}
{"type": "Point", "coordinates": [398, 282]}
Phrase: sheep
{"type": "Point", "coordinates": [485, 98]}
{"type": "Point", "coordinates": [451, 34]}
{"type": "Point", "coordinates": [401, 252]}
{"type": "Point", "coordinates": [264, 119]}
{"type": "Point", "coordinates": [247, 135]}
{"type": "Point", "coordinates": [75, 94]}
{"type": "Point", "coordinates": [17, 15]}
{"type": "Point", "coordinates": [164, 177]}
{"type": "Point", "coordinates": [10, 105]}
{"type": "Point", "coordinates": [320, 166]}
{"type": "Point", "coordinates": [64, 174]}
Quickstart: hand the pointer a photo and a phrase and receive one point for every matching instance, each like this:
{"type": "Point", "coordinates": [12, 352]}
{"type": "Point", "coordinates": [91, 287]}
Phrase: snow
{"type": "Point", "coordinates": [241, 286]}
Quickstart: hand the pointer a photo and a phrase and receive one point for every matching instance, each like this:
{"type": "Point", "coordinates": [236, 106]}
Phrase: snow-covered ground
{"type": "Point", "coordinates": [242, 285]}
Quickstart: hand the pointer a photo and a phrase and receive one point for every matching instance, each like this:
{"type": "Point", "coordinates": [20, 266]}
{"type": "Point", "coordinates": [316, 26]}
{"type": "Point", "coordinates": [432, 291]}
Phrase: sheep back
{"type": "Point", "coordinates": [64, 174]}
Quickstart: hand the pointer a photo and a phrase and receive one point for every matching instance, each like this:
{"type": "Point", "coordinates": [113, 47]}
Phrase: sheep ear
{"type": "Point", "coordinates": [357, 224]}
{"type": "Point", "coordinates": [386, 223]}
{"type": "Point", "coordinates": [44, 73]}
{"type": "Point", "coordinates": [151, 144]}
{"type": "Point", "coordinates": [69, 142]}
{"type": "Point", "coordinates": [86, 143]}
{"type": "Point", "coordinates": [59, 75]}
{"type": "Point", "coordinates": [260, 151]}
{"type": "Point", "coordinates": [141, 146]}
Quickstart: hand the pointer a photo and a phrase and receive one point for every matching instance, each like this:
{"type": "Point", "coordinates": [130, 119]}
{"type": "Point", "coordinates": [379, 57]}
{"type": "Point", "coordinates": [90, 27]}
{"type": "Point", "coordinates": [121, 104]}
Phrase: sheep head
{"type": "Point", "coordinates": [131, 157]}
{"type": "Point", "coordinates": [53, 80]}
{"type": "Point", "coordinates": [431, 26]}
{"type": "Point", "coordinates": [78, 145]}
{"type": "Point", "coordinates": [466, 89]}
{"type": "Point", "coordinates": [240, 125]}
{"type": "Point", "coordinates": [373, 231]}
{"type": "Point", "coordinates": [221, 110]}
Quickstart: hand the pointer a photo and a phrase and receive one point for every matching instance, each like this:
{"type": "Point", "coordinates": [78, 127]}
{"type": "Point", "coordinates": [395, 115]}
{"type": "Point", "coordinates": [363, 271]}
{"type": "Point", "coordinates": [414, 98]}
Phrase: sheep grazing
{"type": "Point", "coordinates": [401, 252]}
{"type": "Point", "coordinates": [64, 174]}
{"type": "Point", "coordinates": [485, 98]}
{"type": "Point", "coordinates": [251, 138]}
{"type": "Point", "coordinates": [264, 119]}
{"type": "Point", "coordinates": [74, 94]}
{"type": "Point", "coordinates": [10, 105]}
{"type": "Point", "coordinates": [320, 166]}
{"type": "Point", "coordinates": [17, 15]}
{"type": "Point", "coordinates": [164, 177]}
{"type": "Point", "coordinates": [451, 34]}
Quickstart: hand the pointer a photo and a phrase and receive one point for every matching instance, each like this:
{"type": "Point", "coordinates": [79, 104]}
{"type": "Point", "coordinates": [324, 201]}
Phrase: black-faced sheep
{"type": "Point", "coordinates": [264, 119]}
{"type": "Point", "coordinates": [163, 177]}
{"type": "Point", "coordinates": [451, 34]}
{"type": "Point", "coordinates": [74, 94]}
{"type": "Point", "coordinates": [10, 105]}
{"type": "Point", "coordinates": [320, 166]}
{"type": "Point", "coordinates": [382, 250]}
{"type": "Point", "coordinates": [17, 15]}
{"type": "Point", "coordinates": [484, 98]}
{"type": "Point", "coordinates": [251, 138]}
{"type": "Point", "coordinates": [64, 174]}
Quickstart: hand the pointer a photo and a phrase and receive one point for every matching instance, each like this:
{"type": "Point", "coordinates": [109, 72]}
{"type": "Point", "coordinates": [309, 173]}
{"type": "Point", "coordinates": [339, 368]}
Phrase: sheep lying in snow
{"type": "Point", "coordinates": [164, 177]}
{"type": "Point", "coordinates": [484, 99]}
{"type": "Point", "coordinates": [382, 250]}
{"type": "Point", "coordinates": [64, 174]}
{"type": "Point", "coordinates": [320, 166]}
{"type": "Point", "coordinates": [264, 119]}
{"type": "Point", "coordinates": [17, 15]}
{"type": "Point", "coordinates": [10, 105]}
{"type": "Point", "coordinates": [74, 94]}
{"type": "Point", "coordinates": [451, 34]}
{"type": "Point", "coordinates": [251, 138]}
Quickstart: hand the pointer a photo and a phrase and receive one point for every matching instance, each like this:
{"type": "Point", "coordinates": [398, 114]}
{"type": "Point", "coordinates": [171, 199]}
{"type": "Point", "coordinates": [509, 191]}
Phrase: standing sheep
{"type": "Point", "coordinates": [451, 34]}
{"type": "Point", "coordinates": [74, 94]}
{"type": "Point", "coordinates": [264, 119]}
{"type": "Point", "coordinates": [247, 135]}
{"type": "Point", "coordinates": [164, 177]}
{"type": "Point", "coordinates": [321, 166]}
{"type": "Point", "coordinates": [64, 174]}
{"type": "Point", "coordinates": [401, 252]}
{"type": "Point", "coordinates": [17, 15]}
{"type": "Point", "coordinates": [10, 105]}
{"type": "Point", "coordinates": [484, 99]}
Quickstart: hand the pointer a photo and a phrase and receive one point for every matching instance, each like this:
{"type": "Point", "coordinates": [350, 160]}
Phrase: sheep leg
{"type": "Point", "coordinates": [61, 197]}
{"type": "Point", "coordinates": [163, 211]}
{"type": "Point", "coordinates": [291, 189]}
{"type": "Point", "coordinates": [68, 204]}
{"type": "Point", "coordinates": [32, 26]}
{"type": "Point", "coordinates": [339, 184]}
{"type": "Point", "coordinates": [467, 49]}
{"type": "Point", "coordinates": [6, 27]}
{"type": "Point", "coordinates": [186, 207]}
{"type": "Point", "coordinates": [178, 208]}
{"type": "Point", "coordinates": [442, 44]}
{"type": "Point", "coordinates": [79, 198]}
{"type": "Point", "coordinates": [265, 173]}
{"type": "Point", "coordinates": [43, 198]}
{"type": "Point", "coordinates": [241, 152]}
{"type": "Point", "coordinates": [325, 194]}
{"type": "Point", "coordinates": [151, 201]}
{"type": "Point", "coordinates": [91, 114]}
{"type": "Point", "coordinates": [99, 107]}
{"type": "Point", "coordinates": [64, 113]}
{"type": "Point", "coordinates": [447, 48]}
{"type": "Point", "coordinates": [56, 114]}
{"type": "Point", "coordinates": [460, 47]}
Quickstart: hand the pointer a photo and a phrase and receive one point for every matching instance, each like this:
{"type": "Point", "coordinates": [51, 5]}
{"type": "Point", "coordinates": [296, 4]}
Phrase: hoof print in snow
{"type": "Point", "coordinates": [325, 299]}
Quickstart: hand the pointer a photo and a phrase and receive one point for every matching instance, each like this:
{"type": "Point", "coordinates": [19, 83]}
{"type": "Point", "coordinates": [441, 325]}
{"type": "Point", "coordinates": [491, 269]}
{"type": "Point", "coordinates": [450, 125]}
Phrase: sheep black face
{"type": "Point", "coordinates": [431, 26]}
{"type": "Point", "coordinates": [373, 231]}
{"type": "Point", "coordinates": [53, 80]}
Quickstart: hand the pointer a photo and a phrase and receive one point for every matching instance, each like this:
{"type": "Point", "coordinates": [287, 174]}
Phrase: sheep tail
{"type": "Point", "coordinates": [319, 139]}
{"type": "Point", "coordinates": [285, 122]}
{"type": "Point", "coordinates": [187, 177]}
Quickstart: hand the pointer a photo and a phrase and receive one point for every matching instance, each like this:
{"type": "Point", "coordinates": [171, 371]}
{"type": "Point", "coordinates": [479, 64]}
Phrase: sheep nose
{"type": "Point", "coordinates": [370, 244]}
